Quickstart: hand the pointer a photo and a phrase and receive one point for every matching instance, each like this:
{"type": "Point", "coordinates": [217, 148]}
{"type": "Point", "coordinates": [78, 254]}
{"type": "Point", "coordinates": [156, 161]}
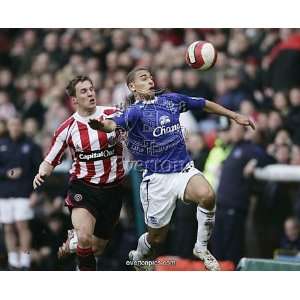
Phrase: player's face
{"type": "Point", "coordinates": [143, 84]}
{"type": "Point", "coordinates": [237, 133]}
{"type": "Point", "coordinates": [85, 95]}
{"type": "Point", "coordinates": [14, 127]}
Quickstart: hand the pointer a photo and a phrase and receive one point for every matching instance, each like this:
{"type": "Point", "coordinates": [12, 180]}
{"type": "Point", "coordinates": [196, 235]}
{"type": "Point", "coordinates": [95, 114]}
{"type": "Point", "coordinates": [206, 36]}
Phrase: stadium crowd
{"type": "Point", "coordinates": [257, 73]}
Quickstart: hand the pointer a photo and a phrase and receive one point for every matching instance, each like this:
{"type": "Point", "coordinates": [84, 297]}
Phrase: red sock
{"type": "Point", "coordinates": [86, 259]}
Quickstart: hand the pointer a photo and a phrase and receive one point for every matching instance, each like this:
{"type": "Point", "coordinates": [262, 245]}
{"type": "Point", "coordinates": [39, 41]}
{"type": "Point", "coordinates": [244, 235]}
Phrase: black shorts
{"type": "Point", "coordinates": [103, 203]}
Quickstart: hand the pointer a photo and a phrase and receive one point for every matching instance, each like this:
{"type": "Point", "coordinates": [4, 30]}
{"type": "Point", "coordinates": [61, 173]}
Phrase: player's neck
{"type": "Point", "coordinates": [86, 112]}
{"type": "Point", "coordinates": [143, 97]}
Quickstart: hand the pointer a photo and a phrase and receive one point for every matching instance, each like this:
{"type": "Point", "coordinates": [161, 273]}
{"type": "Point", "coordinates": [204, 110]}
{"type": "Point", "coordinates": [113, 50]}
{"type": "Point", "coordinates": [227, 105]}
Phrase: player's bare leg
{"type": "Point", "coordinates": [199, 191]}
{"type": "Point", "coordinates": [11, 246]}
{"type": "Point", "coordinates": [70, 245]}
{"type": "Point", "coordinates": [148, 244]}
{"type": "Point", "coordinates": [84, 223]}
{"type": "Point", "coordinates": [25, 237]}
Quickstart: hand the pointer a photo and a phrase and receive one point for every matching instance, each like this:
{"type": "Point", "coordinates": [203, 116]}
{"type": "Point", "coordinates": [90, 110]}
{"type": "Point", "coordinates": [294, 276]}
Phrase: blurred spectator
{"type": "Point", "coordinates": [291, 238]}
{"type": "Point", "coordinates": [6, 83]}
{"type": "Point", "coordinates": [235, 93]}
{"type": "Point", "coordinates": [7, 109]}
{"type": "Point", "coordinates": [177, 81]}
{"type": "Point", "coordinates": [280, 103]}
{"type": "Point", "coordinates": [293, 118]}
{"type": "Point", "coordinates": [295, 155]}
{"type": "Point", "coordinates": [19, 160]}
{"type": "Point", "coordinates": [32, 107]}
{"type": "Point", "coordinates": [219, 152]}
{"type": "Point", "coordinates": [196, 88]}
{"type": "Point", "coordinates": [233, 196]}
{"type": "Point", "coordinates": [284, 62]}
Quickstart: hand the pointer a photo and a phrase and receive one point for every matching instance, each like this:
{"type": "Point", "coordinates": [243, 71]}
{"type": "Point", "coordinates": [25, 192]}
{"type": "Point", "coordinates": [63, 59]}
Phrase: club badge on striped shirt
{"type": "Point", "coordinates": [77, 197]}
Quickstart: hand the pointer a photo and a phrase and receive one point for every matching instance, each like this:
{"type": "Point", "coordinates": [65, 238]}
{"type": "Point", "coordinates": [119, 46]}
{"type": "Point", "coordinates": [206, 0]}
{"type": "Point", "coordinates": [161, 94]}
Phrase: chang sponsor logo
{"type": "Point", "coordinates": [161, 130]}
{"type": "Point", "coordinates": [163, 120]}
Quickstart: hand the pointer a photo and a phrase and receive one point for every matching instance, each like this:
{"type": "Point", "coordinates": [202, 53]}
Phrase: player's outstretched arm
{"type": "Point", "coordinates": [215, 108]}
{"type": "Point", "coordinates": [45, 169]}
{"type": "Point", "coordinates": [102, 124]}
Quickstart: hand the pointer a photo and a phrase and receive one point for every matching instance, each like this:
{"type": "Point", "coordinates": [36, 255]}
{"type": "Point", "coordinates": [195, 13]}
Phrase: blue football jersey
{"type": "Point", "coordinates": [155, 138]}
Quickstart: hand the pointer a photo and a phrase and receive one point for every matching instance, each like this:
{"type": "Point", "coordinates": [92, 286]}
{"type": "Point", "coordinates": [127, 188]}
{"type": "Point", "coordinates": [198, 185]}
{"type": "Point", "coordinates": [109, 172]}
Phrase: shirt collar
{"type": "Point", "coordinates": [146, 101]}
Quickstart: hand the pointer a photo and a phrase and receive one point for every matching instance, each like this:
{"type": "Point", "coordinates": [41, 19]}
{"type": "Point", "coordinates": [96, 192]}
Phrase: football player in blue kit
{"type": "Point", "coordinates": [156, 142]}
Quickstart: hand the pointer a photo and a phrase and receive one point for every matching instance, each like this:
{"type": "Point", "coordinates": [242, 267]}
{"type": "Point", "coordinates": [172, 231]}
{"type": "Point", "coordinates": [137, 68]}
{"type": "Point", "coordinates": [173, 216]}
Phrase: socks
{"type": "Point", "coordinates": [86, 259]}
{"type": "Point", "coordinates": [143, 248]}
{"type": "Point", "coordinates": [25, 260]}
{"type": "Point", "coordinates": [13, 259]}
{"type": "Point", "coordinates": [206, 221]}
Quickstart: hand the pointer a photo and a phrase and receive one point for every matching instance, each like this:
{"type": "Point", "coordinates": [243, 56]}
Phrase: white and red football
{"type": "Point", "coordinates": [201, 55]}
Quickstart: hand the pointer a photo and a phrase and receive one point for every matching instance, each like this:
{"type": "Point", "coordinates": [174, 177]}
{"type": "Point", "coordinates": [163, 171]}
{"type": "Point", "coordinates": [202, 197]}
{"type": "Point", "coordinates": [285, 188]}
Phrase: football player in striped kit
{"type": "Point", "coordinates": [155, 140]}
{"type": "Point", "coordinates": [94, 193]}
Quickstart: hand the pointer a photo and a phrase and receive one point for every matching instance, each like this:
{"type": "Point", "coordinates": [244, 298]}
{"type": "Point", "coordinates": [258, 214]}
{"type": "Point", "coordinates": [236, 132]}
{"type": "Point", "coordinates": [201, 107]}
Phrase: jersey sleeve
{"type": "Point", "coordinates": [58, 145]}
{"type": "Point", "coordinates": [128, 118]}
{"type": "Point", "coordinates": [186, 102]}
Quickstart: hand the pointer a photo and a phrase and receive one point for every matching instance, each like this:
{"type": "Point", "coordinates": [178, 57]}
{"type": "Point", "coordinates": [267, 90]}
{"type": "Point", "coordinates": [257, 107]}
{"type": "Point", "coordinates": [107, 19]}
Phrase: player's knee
{"type": "Point", "coordinates": [22, 226]}
{"type": "Point", "coordinates": [84, 238]}
{"type": "Point", "coordinates": [8, 229]}
{"type": "Point", "coordinates": [207, 199]}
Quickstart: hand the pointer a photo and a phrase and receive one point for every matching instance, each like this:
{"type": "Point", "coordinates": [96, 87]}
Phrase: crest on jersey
{"type": "Point", "coordinates": [170, 105]}
{"type": "Point", "coordinates": [153, 220]}
{"type": "Point", "coordinates": [25, 148]}
{"type": "Point", "coordinates": [237, 153]}
{"type": "Point", "coordinates": [163, 120]}
{"type": "Point", "coordinates": [77, 197]}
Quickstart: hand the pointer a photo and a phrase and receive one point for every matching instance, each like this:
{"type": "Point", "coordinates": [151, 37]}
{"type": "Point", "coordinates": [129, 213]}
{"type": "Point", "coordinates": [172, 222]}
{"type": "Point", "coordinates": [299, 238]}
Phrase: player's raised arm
{"type": "Point", "coordinates": [125, 120]}
{"type": "Point", "coordinates": [106, 125]}
{"type": "Point", "coordinates": [215, 108]}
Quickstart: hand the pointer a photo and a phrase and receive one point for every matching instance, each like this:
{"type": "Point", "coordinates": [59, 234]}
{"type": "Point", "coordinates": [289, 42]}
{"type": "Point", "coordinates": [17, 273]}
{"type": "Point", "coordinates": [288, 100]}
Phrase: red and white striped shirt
{"type": "Point", "coordinates": [98, 157]}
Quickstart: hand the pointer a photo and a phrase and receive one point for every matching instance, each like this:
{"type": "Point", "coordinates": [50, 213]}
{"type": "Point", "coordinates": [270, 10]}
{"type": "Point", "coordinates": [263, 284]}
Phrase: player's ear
{"type": "Point", "coordinates": [74, 100]}
{"type": "Point", "coordinates": [131, 87]}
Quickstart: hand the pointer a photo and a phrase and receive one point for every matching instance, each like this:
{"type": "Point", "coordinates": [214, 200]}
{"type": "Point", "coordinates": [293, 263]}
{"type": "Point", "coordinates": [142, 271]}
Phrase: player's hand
{"type": "Point", "coordinates": [250, 167]}
{"type": "Point", "coordinates": [38, 180]}
{"type": "Point", "coordinates": [14, 173]}
{"type": "Point", "coordinates": [97, 124]}
{"type": "Point", "coordinates": [244, 121]}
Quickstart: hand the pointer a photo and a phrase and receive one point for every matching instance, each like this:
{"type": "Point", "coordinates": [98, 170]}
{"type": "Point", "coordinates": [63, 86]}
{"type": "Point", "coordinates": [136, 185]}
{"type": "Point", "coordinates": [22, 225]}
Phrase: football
{"type": "Point", "coordinates": [201, 55]}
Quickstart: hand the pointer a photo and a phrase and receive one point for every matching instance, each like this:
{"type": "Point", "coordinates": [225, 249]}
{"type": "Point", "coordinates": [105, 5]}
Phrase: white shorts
{"type": "Point", "coordinates": [159, 193]}
{"type": "Point", "coordinates": [15, 209]}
